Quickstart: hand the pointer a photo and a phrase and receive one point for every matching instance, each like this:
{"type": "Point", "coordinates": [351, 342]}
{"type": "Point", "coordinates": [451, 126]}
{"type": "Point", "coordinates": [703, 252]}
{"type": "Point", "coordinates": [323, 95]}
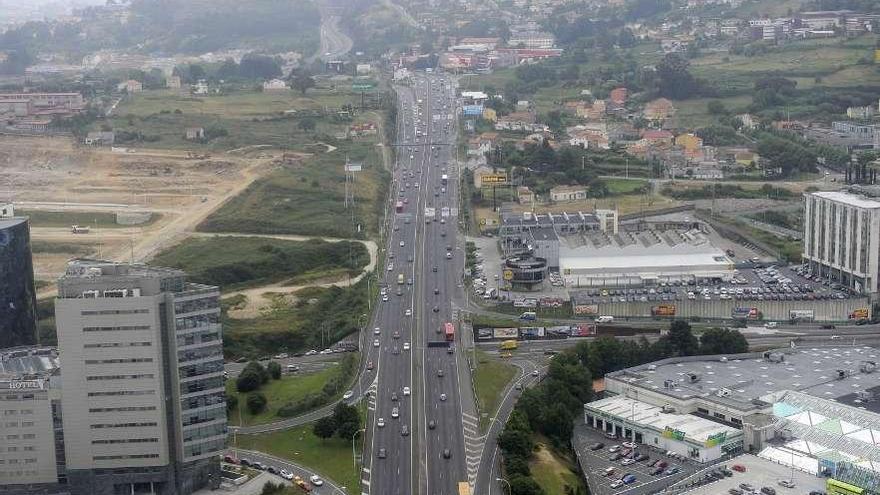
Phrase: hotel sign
{"type": "Point", "coordinates": [25, 384]}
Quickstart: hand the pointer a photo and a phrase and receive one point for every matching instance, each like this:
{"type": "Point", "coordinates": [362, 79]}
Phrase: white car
{"type": "Point", "coordinates": [406, 346]}
{"type": "Point", "coordinates": [395, 413]}
{"type": "Point", "coordinates": [380, 422]}
{"type": "Point", "coordinates": [391, 267]}
{"type": "Point", "coordinates": [316, 480]}
{"type": "Point", "coordinates": [406, 391]}
{"type": "Point", "coordinates": [376, 331]}
{"type": "Point", "coordinates": [384, 297]}
{"type": "Point", "coordinates": [347, 395]}
{"type": "Point", "coordinates": [286, 474]}
{"type": "Point", "coordinates": [375, 342]}
{"type": "Point", "coordinates": [442, 397]}
{"type": "Point", "coordinates": [627, 461]}
{"type": "Point", "coordinates": [408, 312]}
{"type": "Point", "coordinates": [402, 243]}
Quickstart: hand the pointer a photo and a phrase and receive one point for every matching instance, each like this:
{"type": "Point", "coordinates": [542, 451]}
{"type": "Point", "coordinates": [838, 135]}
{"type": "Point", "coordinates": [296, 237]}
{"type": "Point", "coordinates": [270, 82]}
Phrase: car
{"type": "Point", "coordinates": [391, 267]}
{"type": "Point", "coordinates": [402, 243]}
{"type": "Point", "coordinates": [642, 457]}
{"type": "Point", "coordinates": [616, 483]}
{"type": "Point", "coordinates": [286, 474]}
{"type": "Point", "coordinates": [316, 480]}
{"type": "Point", "coordinates": [394, 396]}
{"type": "Point", "coordinates": [628, 478]}
{"type": "Point", "coordinates": [244, 462]}
{"type": "Point", "coordinates": [436, 290]}
{"type": "Point", "coordinates": [408, 312]}
{"type": "Point", "coordinates": [535, 373]}
{"type": "Point", "coordinates": [432, 424]}
{"type": "Point", "coordinates": [447, 454]}
{"type": "Point", "coordinates": [656, 471]}
{"type": "Point", "coordinates": [616, 456]}
{"type": "Point", "coordinates": [406, 346]}
{"type": "Point", "coordinates": [746, 487]}
{"type": "Point", "coordinates": [597, 446]}
{"type": "Point", "coordinates": [766, 490]}
{"type": "Point", "coordinates": [375, 342]}
{"type": "Point", "coordinates": [672, 470]}
{"type": "Point", "coordinates": [370, 365]}
{"type": "Point", "coordinates": [434, 269]}
{"type": "Point", "coordinates": [347, 395]}
{"type": "Point", "coordinates": [440, 372]}
{"type": "Point", "coordinates": [436, 309]}
{"type": "Point", "coordinates": [395, 413]}
{"type": "Point", "coordinates": [258, 466]}
{"type": "Point", "coordinates": [382, 453]}
{"type": "Point", "coordinates": [662, 464]}
{"type": "Point", "coordinates": [442, 397]}
{"type": "Point", "coordinates": [380, 422]}
{"type": "Point", "coordinates": [395, 350]}
{"type": "Point", "coordinates": [613, 448]}
{"type": "Point", "coordinates": [627, 461]}
{"type": "Point", "coordinates": [727, 472]}
{"type": "Point", "coordinates": [409, 281]}
{"type": "Point", "coordinates": [629, 445]}
{"type": "Point", "coordinates": [738, 467]}
{"type": "Point", "coordinates": [608, 471]}
{"type": "Point", "coordinates": [384, 297]}
{"type": "Point", "coordinates": [229, 459]}
{"type": "Point", "coordinates": [377, 331]}
{"type": "Point", "coordinates": [395, 335]}
{"type": "Point", "coordinates": [735, 491]}
{"type": "Point", "coordinates": [406, 391]}
{"type": "Point", "coordinates": [786, 483]}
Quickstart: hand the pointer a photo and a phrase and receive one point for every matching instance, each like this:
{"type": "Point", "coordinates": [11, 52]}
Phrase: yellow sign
{"type": "Point", "coordinates": [877, 55]}
{"type": "Point", "coordinates": [508, 275]}
{"type": "Point", "coordinates": [493, 179]}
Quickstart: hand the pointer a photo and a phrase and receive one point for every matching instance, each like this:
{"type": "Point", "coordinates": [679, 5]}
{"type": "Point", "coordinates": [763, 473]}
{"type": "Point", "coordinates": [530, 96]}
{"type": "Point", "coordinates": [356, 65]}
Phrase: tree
{"type": "Point", "coordinates": [674, 79]}
{"type": "Point", "coordinates": [227, 70]}
{"type": "Point", "coordinates": [716, 107]}
{"type": "Point", "coordinates": [231, 401]}
{"type": "Point", "coordinates": [682, 339]}
{"type": "Point", "coordinates": [302, 81]}
{"type": "Point", "coordinates": [324, 428]}
{"type": "Point", "coordinates": [723, 341]}
{"type": "Point", "coordinates": [520, 485]}
{"type": "Point", "coordinates": [255, 66]}
{"type": "Point", "coordinates": [248, 380]}
{"type": "Point", "coordinates": [274, 370]}
{"type": "Point", "coordinates": [307, 124]}
{"type": "Point", "coordinates": [256, 402]}
{"type": "Point", "coordinates": [516, 442]}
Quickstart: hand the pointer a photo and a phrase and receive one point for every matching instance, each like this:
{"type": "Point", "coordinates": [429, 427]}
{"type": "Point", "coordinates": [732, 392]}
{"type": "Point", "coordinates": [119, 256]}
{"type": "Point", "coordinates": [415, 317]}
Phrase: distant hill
{"type": "Point", "coordinates": [177, 26]}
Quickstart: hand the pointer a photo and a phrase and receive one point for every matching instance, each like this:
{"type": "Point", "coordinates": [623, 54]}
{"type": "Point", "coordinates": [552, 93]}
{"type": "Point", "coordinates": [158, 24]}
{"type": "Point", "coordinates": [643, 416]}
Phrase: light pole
{"type": "Point", "coordinates": [509, 489]}
{"type": "Point", "coordinates": [353, 460]}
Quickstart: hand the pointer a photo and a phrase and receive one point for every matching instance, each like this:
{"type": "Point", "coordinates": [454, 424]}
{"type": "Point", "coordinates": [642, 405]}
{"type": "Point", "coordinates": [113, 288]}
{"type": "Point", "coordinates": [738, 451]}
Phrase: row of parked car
{"type": "Point", "coordinates": [627, 454]}
{"type": "Point", "coordinates": [259, 466]}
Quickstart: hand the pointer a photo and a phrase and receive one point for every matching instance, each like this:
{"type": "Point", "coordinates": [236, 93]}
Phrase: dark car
{"type": "Point", "coordinates": [616, 456]}
{"type": "Point", "coordinates": [642, 457]}
{"type": "Point", "coordinates": [244, 462]}
{"type": "Point", "coordinates": [436, 309]}
{"type": "Point", "coordinates": [447, 453]}
{"type": "Point", "coordinates": [662, 464]}
{"type": "Point", "coordinates": [436, 290]}
{"type": "Point", "coordinates": [656, 471]}
{"type": "Point", "coordinates": [597, 446]}
{"type": "Point", "coordinates": [434, 269]}
{"type": "Point", "coordinates": [432, 424]}
{"type": "Point", "coordinates": [766, 490]}
{"type": "Point", "coordinates": [272, 469]}
{"type": "Point", "coordinates": [382, 453]}
{"type": "Point", "coordinates": [229, 459]}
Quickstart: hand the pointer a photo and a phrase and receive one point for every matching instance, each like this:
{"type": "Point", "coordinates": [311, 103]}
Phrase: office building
{"type": "Point", "coordinates": [842, 239]}
{"type": "Point", "coordinates": [18, 300]}
{"type": "Point", "coordinates": [31, 444]}
{"type": "Point", "coordinates": [143, 399]}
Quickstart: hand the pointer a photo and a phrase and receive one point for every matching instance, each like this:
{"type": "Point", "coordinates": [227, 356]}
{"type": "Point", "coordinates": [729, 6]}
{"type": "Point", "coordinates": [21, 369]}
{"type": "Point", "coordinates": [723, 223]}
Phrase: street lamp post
{"type": "Point", "coordinates": [502, 480]}
{"type": "Point", "coordinates": [353, 459]}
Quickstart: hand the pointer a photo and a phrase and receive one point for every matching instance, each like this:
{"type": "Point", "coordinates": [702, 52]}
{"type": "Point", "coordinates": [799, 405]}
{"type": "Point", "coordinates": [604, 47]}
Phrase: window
{"type": "Point", "coordinates": [122, 392]}
{"type": "Point", "coordinates": [122, 409]}
{"type": "Point", "coordinates": [702, 410]}
{"type": "Point", "coordinates": [25, 424]}
{"type": "Point", "coordinates": [119, 361]}
{"type": "Point", "coordinates": [120, 377]}
{"type": "Point", "coordinates": [122, 425]}
{"type": "Point", "coordinates": [118, 344]}
{"type": "Point", "coordinates": [125, 440]}
{"type": "Point", "coordinates": [115, 312]}
{"type": "Point", "coordinates": [719, 415]}
{"type": "Point", "coordinates": [28, 436]}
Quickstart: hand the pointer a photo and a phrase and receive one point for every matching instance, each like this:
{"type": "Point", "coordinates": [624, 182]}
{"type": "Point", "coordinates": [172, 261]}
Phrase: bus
{"type": "Point", "coordinates": [464, 488]}
{"type": "Point", "coordinates": [399, 279]}
{"type": "Point", "coordinates": [399, 206]}
{"type": "Point", "coordinates": [449, 330]}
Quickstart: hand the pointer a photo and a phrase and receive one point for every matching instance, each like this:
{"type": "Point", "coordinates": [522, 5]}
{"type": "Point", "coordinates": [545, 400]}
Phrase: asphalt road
{"type": "Point", "coordinates": [267, 460]}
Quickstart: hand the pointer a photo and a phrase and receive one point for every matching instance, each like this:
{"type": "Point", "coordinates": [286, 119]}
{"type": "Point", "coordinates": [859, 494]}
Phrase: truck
{"type": "Point", "coordinates": [449, 331]}
{"type": "Point", "coordinates": [463, 487]}
{"type": "Point", "coordinates": [430, 213]}
{"type": "Point", "coordinates": [605, 319]}
{"type": "Point", "coordinates": [508, 345]}
{"type": "Point", "coordinates": [79, 229]}
{"type": "Point", "coordinates": [444, 179]}
{"type": "Point", "coordinates": [399, 207]}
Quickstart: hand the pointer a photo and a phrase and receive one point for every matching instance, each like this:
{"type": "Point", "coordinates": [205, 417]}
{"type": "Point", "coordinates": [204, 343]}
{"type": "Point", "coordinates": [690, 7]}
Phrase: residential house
{"type": "Point", "coordinates": [131, 86]}
{"type": "Point", "coordinates": [594, 111]}
{"type": "Point", "coordinates": [865, 112]}
{"type": "Point", "coordinates": [523, 106]}
{"type": "Point", "coordinates": [746, 158]}
{"type": "Point", "coordinates": [748, 121]}
{"type": "Point", "coordinates": [173, 82]}
{"type": "Point", "coordinates": [690, 143]}
{"type": "Point", "coordinates": [490, 114]}
{"type": "Point", "coordinates": [618, 96]}
{"type": "Point", "coordinates": [658, 110]}
{"type": "Point", "coordinates": [363, 69]}
{"type": "Point", "coordinates": [568, 193]}
{"type": "Point", "coordinates": [478, 147]}
{"type": "Point", "coordinates": [519, 121]}
{"type": "Point", "coordinates": [589, 138]}
{"type": "Point", "coordinates": [195, 133]}
{"type": "Point", "coordinates": [200, 87]}
{"type": "Point", "coordinates": [657, 137]}
{"type": "Point", "coordinates": [274, 86]}
{"type": "Point", "coordinates": [100, 138]}
{"type": "Point", "coordinates": [524, 195]}
{"type": "Point", "coordinates": [363, 129]}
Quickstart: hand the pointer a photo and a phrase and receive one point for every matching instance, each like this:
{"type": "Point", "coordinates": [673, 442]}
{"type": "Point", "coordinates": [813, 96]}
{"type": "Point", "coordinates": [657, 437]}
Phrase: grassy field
{"type": "Point", "coordinates": [237, 262]}
{"type": "Point", "coordinates": [551, 471]}
{"type": "Point", "coordinates": [73, 248]}
{"type": "Point", "coordinates": [624, 186]}
{"type": "Point", "coordinates": [490, 380]}
{"type": "Point", "coordinates": [64, 219]}
{"type": "Point", "coordinates": [308, 199]}
{"type": "Point", "coordinates": [693, 113]}
{"type": "Point", "coordinates": [279, 392]}
{"type": "Point", "coordinates": [330, 458]}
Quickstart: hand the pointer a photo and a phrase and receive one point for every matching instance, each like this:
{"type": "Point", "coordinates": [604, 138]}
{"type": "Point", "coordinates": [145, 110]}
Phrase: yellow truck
{"type": "Point", "coordinates": [508, 345]}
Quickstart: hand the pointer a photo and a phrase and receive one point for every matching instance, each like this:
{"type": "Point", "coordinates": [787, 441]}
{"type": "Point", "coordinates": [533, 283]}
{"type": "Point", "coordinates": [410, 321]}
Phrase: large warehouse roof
{"type": "Point", "coordinates": [575, 261]}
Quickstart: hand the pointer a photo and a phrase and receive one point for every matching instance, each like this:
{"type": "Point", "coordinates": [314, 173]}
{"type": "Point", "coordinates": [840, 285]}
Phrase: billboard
{"type": "Point", "coordinates": [674, 434]}
{"type": "Point", "coordinates": [506, 333]}
{"type": "Point", "coordinates": [663, 310]}
{"type": "Point", "coordinates": [583, 330]}
{"type": "Point", "coordinates": [745, 313]}
{"type": "Point", "coordinates": [532, 332]}
{"type": "Point", "coordinates": [859, 314]}
{"type": "Point", "coordinates": [551, 302]}
{"type": "Point", "coordinates": [586, 309]}
{"type": "Point", "coordinates": [801, 314]}
{"type": "Point", "coordinates": [493, 179]}
{"type": "Point", "coordinates": [716, 439]}
{"type": "Point", "coordinates": [484, 334]}
{"type": "Point", "coordinates": [472, 110]}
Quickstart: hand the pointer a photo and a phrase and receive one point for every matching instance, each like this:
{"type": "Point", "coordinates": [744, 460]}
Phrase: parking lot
{"type": "Point", "coordinates": [759, 473]}
{"type": "Point", "coordinates": [595, 462]}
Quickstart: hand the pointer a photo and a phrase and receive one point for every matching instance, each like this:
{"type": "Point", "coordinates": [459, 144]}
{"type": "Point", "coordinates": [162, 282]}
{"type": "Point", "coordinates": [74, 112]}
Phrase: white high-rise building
{"type": "Point", "coordinates": [143, 399]}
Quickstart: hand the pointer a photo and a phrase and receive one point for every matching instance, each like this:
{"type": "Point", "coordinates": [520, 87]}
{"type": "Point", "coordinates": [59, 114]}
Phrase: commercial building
{"type": "Point", "coordinates": [18, 301]}
{"type": "Point", "coordinates": [540, 232]}
{"type": "Point", "coordinates": [842, 239]}
{"type": "Point", "coordinates": [31, 453]}
{"type": "Point", "coordinates": [143, 398]}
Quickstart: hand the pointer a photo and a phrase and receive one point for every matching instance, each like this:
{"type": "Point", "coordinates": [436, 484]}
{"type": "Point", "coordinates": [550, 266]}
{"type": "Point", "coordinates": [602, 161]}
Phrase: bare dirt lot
{"type": "Point", "coordinates": [54, 174]}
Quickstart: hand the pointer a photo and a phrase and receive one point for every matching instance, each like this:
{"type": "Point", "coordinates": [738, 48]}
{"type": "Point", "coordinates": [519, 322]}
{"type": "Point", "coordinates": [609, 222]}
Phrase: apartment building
{"type": "Point", "coordinates": [31, 448]}
{"type": "Point", "coordinates": [143, 399]}
{"type": "Point", "coordinates": [842, 238]}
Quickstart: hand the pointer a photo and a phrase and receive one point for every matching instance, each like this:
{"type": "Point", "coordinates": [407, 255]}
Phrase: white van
{"type": "Point", "coordinates": [605, 319]}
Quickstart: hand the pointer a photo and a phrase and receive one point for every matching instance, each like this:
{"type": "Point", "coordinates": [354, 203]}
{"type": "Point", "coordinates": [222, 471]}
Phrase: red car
{"type": "Point", "coordinates": [738, 467]}
{"type": "Point", "coordinates": [229, 459]}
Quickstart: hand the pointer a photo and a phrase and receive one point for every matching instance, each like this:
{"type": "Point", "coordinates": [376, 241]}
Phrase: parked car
{"type": "Point", "coordinates": [597, 446]}
{"type": "Point", "coordinates": [766, 490]}
{"type": "Point", "coordinates": [656, 471]}
{"type": "Point", "coordinates": [786, 483]}
{"type": "Point", "coordinates": [613, 448]}
{"type": "Point", "coordinates": [628, 478]}
{"type": "Point", "coordinates": [738, 467]}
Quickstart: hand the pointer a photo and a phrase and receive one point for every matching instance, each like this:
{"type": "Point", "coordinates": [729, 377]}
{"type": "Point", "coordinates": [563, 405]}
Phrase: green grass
{"type": "Point", "coordinates": [236, 262]}
{"type": "Point", "coordinates": [72, 248]}
{"type": "Point", "coordinates": [289, 388]}
{"type": "Point", "coordinates": [490, 380]}
{"type": "Point", "coordinates": [309, 199]}
{"type": "Point", "coordinates": [693, 113]}
{"type": "Point", "coordinates": [330, 458]}
{"type": "Point", "coordinates": [551, 471]}
{"type": "Point", "coordinates": [624, 186]}
{"type": "Point", "coordinates": [64, 219]}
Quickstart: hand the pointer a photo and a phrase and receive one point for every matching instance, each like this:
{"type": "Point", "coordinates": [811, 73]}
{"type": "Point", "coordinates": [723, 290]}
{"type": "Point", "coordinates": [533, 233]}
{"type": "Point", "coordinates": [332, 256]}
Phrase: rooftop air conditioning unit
{"type": "Point", "coordinates": [669, 384]}
{"type": "Point", "coordinates": [868, 366]}
{"type": "Point", "coordinates": [90, 294]}
{"type": "Point", "coordinates": [723, 359]}
{"type": "Point", "coordinates": [841, 374]}
{"type": "Point", "coordinates": [116, 293]}
{"type": "Point", "coordinates": [693, 377]}
{"type": "Point", "coordinates": [724, 392]}
{"type": "Point", "coordinates": [865, 395]}
{"type": "Point", "coordinates": [668, 409]}
{"type": "Point", "coordinates": [774, 357]}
